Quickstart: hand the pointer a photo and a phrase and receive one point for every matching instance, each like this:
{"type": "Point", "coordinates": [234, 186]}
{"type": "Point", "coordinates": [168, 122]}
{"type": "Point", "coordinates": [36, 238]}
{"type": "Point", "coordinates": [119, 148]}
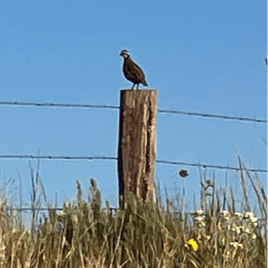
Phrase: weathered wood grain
{"type": "Point", "coordinates": [137, 144]}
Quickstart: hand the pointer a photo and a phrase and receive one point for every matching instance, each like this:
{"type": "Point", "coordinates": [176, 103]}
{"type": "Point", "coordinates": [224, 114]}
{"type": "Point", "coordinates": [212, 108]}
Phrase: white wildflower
{"type": "Point", "coordinates": [201, 224]}
{"type": "Point", "coordinates": [226, 214]}
{"type": "Point", "coordinates": [254, 219]}
{"type": "Point", "coordinates": [236, 244]}
{"type": "Point", "coordinates": [62, 213]}
{"type": "Point", "coordinates": [200, 212]}
{"type": "Point", "coordinates": [236, 229]}
{"type": "Point", "coordinates": [246, 230]}
{"type": "Point", "coordinates": [249, 215]}
{"type": "Point", "coordinates": [254, 236]}
{"type": "Point", "coordinates": [199, 219]}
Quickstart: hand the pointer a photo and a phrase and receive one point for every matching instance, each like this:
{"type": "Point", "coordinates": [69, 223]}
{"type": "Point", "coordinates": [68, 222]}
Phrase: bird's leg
{"type": "Point", "coordinates": [133, 86]}
{"type": "Point", "coordinates": [137, 86]}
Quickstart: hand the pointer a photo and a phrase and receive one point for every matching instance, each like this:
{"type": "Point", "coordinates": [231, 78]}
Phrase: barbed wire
{"type": "Point", "coordinates": [166, 162]}
{"type": "Point", "coordinates": [209, 166]}
{"type": "Point", "coordinates": [111, 209]}
{"type": "Point", "coordinates": [42, 208]}
{"type": "Point", "coordinates": [226, 117]}
{"type": "Point", "coordinates": [60, 105]}
{"type": "Point", "coordinates": [57, 157]}
{"type": "Point", "coordinates": [102, 106]}
{"type": "Point", "coordinates": [32, 209]}
{"type": "Point", "coordinates": [61, 209]}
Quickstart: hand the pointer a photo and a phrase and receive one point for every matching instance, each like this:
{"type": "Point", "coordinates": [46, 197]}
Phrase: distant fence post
{"type": "Point", "coordinates": [137, 144]}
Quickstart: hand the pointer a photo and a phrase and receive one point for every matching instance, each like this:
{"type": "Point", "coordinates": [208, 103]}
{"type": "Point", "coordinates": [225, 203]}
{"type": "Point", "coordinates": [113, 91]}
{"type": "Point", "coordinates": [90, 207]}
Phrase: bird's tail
{"type": "Point", "coordinates": [144, 83]}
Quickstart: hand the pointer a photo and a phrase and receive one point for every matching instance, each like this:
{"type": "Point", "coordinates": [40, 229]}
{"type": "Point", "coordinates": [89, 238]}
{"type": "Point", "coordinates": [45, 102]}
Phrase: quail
{"type": "Point", "coordinates": [132, 71]}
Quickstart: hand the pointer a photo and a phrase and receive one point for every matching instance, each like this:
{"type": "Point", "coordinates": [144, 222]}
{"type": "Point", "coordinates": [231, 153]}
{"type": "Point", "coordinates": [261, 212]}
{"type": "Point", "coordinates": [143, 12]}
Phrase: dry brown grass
{"type": "Point", "coordinates": [143, 235]}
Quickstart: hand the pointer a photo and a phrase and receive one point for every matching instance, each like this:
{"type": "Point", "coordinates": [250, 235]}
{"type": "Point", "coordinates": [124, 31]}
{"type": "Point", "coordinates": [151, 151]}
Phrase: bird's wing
{"type": "Point", "coordinates": [133, 72]}
{"type": "Point", "coordinates": [140, 75]}
{"type": "Point", "coordinates": [130, 72]}
{"type": "Point", "coordinates": [136, 72]}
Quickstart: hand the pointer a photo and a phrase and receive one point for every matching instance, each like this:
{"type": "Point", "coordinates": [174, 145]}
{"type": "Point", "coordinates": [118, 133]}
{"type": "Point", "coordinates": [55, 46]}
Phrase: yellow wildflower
{"type": "Point", "coordinates": [227, 255]}
{"type": "Point", "coordinates": [193, 244]}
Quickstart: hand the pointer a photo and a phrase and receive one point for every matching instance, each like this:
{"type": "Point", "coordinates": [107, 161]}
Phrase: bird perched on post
{"type": "Point", "coordinates": [132, 71]}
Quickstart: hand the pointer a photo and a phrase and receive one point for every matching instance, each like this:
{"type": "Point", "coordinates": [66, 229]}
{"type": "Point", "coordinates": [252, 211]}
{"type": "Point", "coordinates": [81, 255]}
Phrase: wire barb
{"type": "Point", "coordinates": [167, 162]}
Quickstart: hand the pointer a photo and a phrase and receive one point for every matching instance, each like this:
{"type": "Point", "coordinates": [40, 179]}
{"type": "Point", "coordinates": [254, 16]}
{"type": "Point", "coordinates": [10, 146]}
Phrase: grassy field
{"type": "Point", "coordinates": [160, 235]}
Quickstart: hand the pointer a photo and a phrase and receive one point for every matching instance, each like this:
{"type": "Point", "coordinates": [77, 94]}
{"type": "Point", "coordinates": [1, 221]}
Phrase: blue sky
{"type": "Point", "coordinates": [202, 56]}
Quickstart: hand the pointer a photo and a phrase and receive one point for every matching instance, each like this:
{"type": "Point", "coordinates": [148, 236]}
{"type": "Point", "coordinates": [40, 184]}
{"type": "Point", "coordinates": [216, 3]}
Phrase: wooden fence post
{"type": "Point", "coordinates": [137, 144]}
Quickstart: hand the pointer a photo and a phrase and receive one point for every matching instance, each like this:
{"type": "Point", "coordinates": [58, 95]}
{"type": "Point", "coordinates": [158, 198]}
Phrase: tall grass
{"type": "Point", "coordinates": [84, 234]}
